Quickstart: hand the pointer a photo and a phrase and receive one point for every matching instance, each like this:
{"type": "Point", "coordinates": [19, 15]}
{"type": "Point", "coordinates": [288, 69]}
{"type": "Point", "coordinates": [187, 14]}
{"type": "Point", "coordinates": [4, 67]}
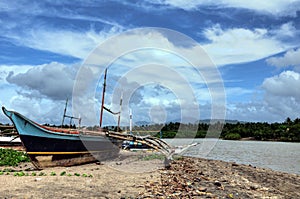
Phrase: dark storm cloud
{"type": "Point", "coordinates": [53, 80]}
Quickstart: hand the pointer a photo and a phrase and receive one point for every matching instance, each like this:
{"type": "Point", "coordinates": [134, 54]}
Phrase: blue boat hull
{"type": "Point", "coordinates": [61, 149]}
{"type": "Point", "coordinates": [52, 145]}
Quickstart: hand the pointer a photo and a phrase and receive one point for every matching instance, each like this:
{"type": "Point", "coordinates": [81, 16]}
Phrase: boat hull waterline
{"type": "Point", "coordinates": [47, 148]}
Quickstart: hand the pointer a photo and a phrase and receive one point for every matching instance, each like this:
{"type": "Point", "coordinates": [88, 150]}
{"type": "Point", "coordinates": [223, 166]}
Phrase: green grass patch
{"type": "Point", "coordinates": [52, 173]}
{"type": "Point", "coordinates": [8, 171]}
{"type": "Point", "coordinates": [21, 173]}
{"type": "Point", "coordinates": [63, 173]}
{"type": "Point", "coordinates": [10, 157]}
{"type": "Point", "coordinates": [42, 174]}
{"type": "Point", "coordinates": [153, 156]}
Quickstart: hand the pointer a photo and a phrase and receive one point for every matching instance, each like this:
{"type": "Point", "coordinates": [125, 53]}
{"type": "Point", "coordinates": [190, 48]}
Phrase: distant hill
{"type": "Point", "coordinates": [141, 123]}
{"type": "Point", "coordinates": [208, 121]}
{"type": "Point", "coordinates": [205, 121]}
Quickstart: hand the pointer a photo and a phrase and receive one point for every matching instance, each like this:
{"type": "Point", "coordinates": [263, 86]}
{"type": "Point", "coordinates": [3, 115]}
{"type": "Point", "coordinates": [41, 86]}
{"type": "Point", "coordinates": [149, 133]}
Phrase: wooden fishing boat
{"type": "Point", "coordinates": [48, 147]}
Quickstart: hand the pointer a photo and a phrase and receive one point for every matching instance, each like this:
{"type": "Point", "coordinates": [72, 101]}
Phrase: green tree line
{"type": "Point", "coordinates": [289, 130]}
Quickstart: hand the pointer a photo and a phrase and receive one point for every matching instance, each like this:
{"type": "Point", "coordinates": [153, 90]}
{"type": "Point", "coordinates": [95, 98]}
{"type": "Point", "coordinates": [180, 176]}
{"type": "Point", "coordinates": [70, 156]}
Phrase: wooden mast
{"type": "Point", "coordinates": [62, 123]}
{"type": "Point", "coordinates": [103, 93]}
{"type": "Point", "coordinates": [71, 117]}
{"type": "Point", "coordinates": [102, 103]}
{"type": "Point", "coordinates": [119, 116]}
{"type": "Point", "coordinates": [130, 121]}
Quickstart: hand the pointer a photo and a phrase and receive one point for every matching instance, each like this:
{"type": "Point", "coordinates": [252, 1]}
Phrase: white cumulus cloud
{"type": "Point", "coordinates": [286, 84]}
{"type": "Point", "coordinates": [280, 99]}
{"type": "Point", "coordinates": [290, 58]}
{"type": "Point", "coordinates": [238, 45]}
{"type": "Point", "coordinates": [282, 94]}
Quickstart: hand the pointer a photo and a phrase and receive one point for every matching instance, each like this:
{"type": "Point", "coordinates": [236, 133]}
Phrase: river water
{"type": "Point", "coordinates": [279, 156]}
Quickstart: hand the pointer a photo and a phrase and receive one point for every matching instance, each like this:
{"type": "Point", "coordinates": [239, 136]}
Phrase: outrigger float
{"type": "Point", "coordinates": [48, 146]}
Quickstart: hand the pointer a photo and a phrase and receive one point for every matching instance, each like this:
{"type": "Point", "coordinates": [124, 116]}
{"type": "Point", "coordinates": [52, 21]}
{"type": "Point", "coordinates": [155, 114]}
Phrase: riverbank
{"type": "Point", "coordinates": [134, 176]}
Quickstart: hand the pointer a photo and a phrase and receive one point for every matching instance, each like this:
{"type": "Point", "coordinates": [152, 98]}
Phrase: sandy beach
{"type": "Point", "coordinates": [133, 176]}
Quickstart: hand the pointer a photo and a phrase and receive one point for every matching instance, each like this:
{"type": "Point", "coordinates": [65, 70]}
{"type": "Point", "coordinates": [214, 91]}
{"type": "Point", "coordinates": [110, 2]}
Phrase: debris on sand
{"type": "Point", "coordinates": [201, 178]}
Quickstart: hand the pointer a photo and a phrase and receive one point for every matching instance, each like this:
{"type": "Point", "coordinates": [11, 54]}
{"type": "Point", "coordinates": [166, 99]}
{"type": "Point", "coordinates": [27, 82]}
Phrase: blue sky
{"type": "Point", "coordinates": [254, 46]}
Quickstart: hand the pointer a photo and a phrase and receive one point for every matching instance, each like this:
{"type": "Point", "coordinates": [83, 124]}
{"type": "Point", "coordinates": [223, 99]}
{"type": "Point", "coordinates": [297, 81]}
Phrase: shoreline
{"type": "Point", "coordinates": [241, 139]}
{"type": "Point", "coordinates": [129, 176]}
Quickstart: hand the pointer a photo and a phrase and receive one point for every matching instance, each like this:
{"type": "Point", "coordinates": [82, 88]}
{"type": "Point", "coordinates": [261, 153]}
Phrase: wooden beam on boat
{"type": "Point", "coordinates": [7, 127]}
{"type": "Point", "coordinates": [150, 141]}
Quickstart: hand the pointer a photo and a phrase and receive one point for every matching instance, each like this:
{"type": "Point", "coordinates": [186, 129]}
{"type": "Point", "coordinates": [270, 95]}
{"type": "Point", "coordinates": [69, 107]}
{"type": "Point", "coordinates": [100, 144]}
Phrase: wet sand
{"type": "Point", "coordinates": [130, 176]}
